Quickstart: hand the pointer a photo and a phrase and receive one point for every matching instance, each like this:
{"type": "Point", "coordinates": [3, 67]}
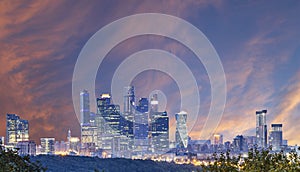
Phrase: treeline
{"type": "Point", "coordinates": [77, 163]}
{"type": "Point", "coordinates": [255, 161]}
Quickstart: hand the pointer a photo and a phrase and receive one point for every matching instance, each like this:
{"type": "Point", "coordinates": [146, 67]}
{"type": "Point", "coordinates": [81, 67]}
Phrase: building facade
{"type": "Point", "coordinates": [275, 138]}
{"type": "Point", "coordinates": [109, 124]}
{"type": "Point", "coordinates": [140, 129]}
{"type": "Point", "coordinates": [17, 129]}
{"type": "Point", "coordinates": [181, 135]}
{"type": "Point", "coordinates": [218, 139]}
{"type": "Point", "coordinates": [84, 107]}
{"type": "Point", "coordinates": [160, 132]}
{"type": "Point", "coordinates": [26, 148]}
{"type": "Point", "coordinates": [47, 146]}
{"type": "Point", "coordinates": [128, 113]}
{"type": "Point", "coordinates": [261, 129]}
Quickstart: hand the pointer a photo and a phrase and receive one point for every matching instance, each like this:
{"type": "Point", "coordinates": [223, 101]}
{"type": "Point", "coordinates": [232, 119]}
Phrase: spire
{"type": "Point", "coordinates": [69, 135]}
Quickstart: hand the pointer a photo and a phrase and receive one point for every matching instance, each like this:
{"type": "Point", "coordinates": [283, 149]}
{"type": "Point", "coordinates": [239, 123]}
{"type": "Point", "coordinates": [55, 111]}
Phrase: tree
{"type": "Point", "coordinates": [12, 162]}
{"type": "Point", "coordinates": [256, 161]}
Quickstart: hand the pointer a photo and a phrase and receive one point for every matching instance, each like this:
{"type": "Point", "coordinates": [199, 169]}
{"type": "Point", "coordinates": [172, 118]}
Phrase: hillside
{"type": "Point", "coordinates": [78, 164]}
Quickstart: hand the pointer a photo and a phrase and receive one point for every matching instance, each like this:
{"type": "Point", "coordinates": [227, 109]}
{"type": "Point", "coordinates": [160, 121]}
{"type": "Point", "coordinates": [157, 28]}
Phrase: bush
{"type": "Point", "coordinates": [257, 161]}
{"type": "Point", "coordinates": [11, 161]}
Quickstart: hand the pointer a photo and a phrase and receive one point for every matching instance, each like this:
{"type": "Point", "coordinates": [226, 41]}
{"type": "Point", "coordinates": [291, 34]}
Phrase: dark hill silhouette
{"type": "Point", "coordinates": [86, 164]}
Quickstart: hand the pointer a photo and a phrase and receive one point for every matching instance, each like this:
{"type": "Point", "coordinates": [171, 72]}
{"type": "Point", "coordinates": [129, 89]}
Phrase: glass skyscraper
{"type": "Point", "coordinates": [261, 129]}
{"type": "Point", "coordinates": [181, 135]}
{"type": "Point", "coordinates": [17, 129]}
{"type": "Point", "coordinates": [160, 132]}
{"type": "Point", "coordinates": [128, 113]}
{"type": "Point", "coordinates": [141, 119]}
{"type": "Point", "coordinates": [275, 139]}
{"type": "Point", "coordinates": [84, 107]}
{"type": "Point", "coordinates": [108, 122]}
{"type": "Point", "coordinates": [140, 129]}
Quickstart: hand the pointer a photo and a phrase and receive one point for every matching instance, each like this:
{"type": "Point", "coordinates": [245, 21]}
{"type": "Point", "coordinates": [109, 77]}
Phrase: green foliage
{"type": "Point", "coordinates": [10, 161]}
{"type": "Point", "coordinates": [256, 161]}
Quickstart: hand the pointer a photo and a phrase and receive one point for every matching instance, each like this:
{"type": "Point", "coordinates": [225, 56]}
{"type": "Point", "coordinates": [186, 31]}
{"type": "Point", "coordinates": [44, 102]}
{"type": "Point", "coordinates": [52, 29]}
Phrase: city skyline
{"type": "Point", "coordinates": [109, 139]}
{"type": "Point", "coordinates": [257, 43]}
{"type": "Point", "coordinates": [113, 121]}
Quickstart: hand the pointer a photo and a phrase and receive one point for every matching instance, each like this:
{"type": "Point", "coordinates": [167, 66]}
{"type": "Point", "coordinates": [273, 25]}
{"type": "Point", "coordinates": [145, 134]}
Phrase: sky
{"type": "Point", "coordinates": [257, 42]}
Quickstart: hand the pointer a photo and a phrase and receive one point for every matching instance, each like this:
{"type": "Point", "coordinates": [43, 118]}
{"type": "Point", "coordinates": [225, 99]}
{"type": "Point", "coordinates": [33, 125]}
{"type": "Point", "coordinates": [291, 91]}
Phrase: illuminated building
{"type": "Point", "coordinates": [141, 126]}
{"type": "Point", "coordinates": [74, 145]}
{"type": "Point", "coordinates": [60, 147]}
{"type": "Point", "coordinates": [84, 107]}
{"type": "Point", "coordinates": [275, 138]}
{"type": "Point", "coordinates": [107, 121]}
{"type": "Point", "coordinates": [261, 129]}
{"type": "Point", "coordinates": [160, 132]}
{"type": "Point", "coordinates": [88, 135]}
{"type": "Point", "coordinates": [218, 139]}
{"type": "Point", "coordinates": [158, 128]}
{"type": "Point", "coordinates": [26, 148]}
{"type": "Point", "coordinates": [128, 99]}
{"type": "Point", "coordinates": [154, 103]}
{"type": "Point", "coordinates": [47, 146]}
{"type": "Point", "coordinates": [128, 113]}
{"type": "Point", "coordinates": [181, 135]}
{"type": "Point", "coordinates": [17, 129]}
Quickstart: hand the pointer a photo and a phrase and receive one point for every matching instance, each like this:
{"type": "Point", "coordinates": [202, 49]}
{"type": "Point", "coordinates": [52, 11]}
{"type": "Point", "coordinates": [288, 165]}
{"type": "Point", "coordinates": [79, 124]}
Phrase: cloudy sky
{"type": "Point", "coordinates": [257, 42]}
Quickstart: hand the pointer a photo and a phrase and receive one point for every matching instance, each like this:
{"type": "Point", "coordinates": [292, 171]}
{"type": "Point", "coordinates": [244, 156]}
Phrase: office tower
{"type": "Point", "coordinates": [240, 144]}
{"type": "Point", "coordinates": [141, 126]}
{"type": "Point", "coordinates": [181, 135]}
{"type": "Point", "coordinates": [128, 114]}
{"type": "Point", "coordinates": [153, 109]}
{"type": "Point", "coordinates": [275, 139]}
{"type": "Point", "coordinates": [107, 121]}
{"type": "Point", "coordinates": [160, 132]}
{"type": "Point", "coordinates": [17, 129]}
{"type": "Point", "coordinates": [47, 146]}
{"type": "Point", "coordinates": [84, 107]}
{"type": "Point", "coordinates": [128, 99]}
{"type": "Point", "coordinates": [74, 145]}
{"type": "Point", "coordinates": [261, 129]}
{"type": "Point", "coordinates": [88, 135]}
{"type": "Point", "coordinates": [26, 148]}
{"type": "Point", "coordinates": [154, 103]}
{"type": "Point", "coordinates": [218, 139]}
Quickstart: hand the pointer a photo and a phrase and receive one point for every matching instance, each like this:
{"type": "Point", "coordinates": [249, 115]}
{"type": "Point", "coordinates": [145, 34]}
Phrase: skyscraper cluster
{"type": "Point", "coordinates": [275, 138]}
{"type": "Point", "coordinates": [139, 129]}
